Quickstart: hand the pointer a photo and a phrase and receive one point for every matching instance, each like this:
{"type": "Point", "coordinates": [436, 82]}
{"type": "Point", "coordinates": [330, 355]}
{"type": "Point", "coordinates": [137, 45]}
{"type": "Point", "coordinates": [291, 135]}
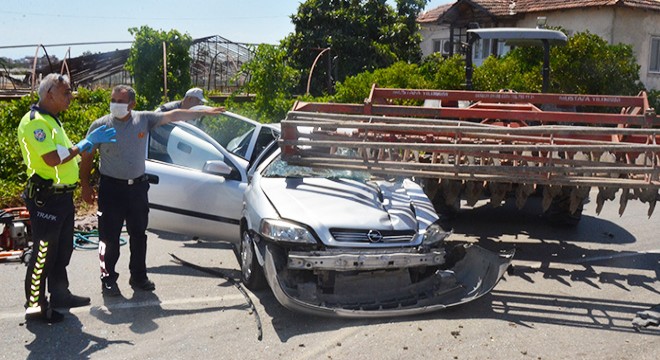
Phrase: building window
{"type": "Point", "coordinates": [654, 65]}
{"type": "Point", "coordinates": [437, 45]}
{"type": "Point", "coordinates": [441, 46]}
{"type": "Point", "coordinates": [502, 48]}
{"type": "Point", "coordinates": [483, 48]}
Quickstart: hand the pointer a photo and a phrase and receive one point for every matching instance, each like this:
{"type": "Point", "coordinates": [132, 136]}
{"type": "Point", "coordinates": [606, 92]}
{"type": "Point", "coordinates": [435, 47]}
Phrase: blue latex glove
{"type": "Point", "coordinates": [97, 136]}
{"type": "Point", "coordinates": [102, 135]}
{"type": "Point", "coordinates": [85, 145]}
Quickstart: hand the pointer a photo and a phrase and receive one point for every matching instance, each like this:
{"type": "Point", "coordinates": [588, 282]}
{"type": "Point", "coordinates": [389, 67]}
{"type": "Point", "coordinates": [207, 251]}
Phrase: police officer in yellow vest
{"type": "Point", "coordinates": [52, 170]}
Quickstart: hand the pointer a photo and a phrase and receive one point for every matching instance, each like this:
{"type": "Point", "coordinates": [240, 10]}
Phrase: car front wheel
{"type": "Point", "coordinates": [252, 274]}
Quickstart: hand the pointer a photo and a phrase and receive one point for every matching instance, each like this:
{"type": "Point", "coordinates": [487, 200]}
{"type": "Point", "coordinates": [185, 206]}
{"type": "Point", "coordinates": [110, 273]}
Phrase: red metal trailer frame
{"type": "Point", "coordinates": [556, 140]}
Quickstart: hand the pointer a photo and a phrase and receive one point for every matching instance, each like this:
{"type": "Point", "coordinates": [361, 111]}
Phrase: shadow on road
{"type": "Point", "coordinates": [589, 244]}
{"type": "Point", "coordinates": [71, 343]}
{"type": "Point", "coordinates": [489, 223]}
{"type": "Point", "coordinates": [524, 309]}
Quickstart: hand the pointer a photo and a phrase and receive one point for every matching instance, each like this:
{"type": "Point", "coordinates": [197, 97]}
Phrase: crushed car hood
{"type": "Point", "coordinates": [321, 202]}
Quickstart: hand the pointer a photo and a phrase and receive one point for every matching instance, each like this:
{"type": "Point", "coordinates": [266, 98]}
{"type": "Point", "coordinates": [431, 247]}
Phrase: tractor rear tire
{"type": "Point", "coordinates": [559, 213]}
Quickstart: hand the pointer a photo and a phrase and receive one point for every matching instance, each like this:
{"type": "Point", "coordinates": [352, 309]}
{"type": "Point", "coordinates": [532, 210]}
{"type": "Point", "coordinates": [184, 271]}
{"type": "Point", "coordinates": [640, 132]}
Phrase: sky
{"type": "Point", "coordinates": [48, 22]}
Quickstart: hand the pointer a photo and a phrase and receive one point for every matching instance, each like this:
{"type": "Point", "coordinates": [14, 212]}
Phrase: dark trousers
{"type": "Point", "coordinates": [52, 237]}
{"type": "Point", "coordinates": [120, 202]}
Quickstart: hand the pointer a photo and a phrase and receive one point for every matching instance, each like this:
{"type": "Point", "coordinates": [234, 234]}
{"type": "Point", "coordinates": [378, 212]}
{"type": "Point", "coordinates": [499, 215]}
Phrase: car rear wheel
{"type": "Point", "coordinates": [252, 274]}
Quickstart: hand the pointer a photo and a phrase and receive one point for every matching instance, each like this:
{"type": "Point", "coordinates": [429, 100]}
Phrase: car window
{"type": "Point", "coordinates": [176, 145]}
{"type": "Point", "coordinates": [264, 155]}
{"type": "Point", "coordinates": [240, 145]}
{"type": "Point", "coordinates": [231, 133]}
{"type": "Point", "coordinates": [266, 136]}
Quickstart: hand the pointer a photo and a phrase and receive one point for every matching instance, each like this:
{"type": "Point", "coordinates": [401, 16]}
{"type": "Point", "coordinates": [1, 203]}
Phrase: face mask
{"type": "Point", "coordinates": [119, 110]}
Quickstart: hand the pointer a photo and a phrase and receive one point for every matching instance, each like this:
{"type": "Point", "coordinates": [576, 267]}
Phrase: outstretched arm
{"type": "Point", "coordinates": [185, 114]}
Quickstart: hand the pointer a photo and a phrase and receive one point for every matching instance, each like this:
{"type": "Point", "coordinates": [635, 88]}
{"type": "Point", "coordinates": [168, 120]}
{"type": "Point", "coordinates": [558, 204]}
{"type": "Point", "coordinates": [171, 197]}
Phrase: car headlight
{"type": "Point", "coordinates": [282, 230]}
{"type": "Point", "coordinates": [436, 233]}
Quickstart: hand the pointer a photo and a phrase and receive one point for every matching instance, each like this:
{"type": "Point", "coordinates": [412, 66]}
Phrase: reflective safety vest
{"type": "Point", "coordinates": [40, 133]}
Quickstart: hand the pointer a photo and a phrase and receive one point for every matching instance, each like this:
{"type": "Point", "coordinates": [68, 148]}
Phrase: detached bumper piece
{"type": "Point", "coordinates": [381, 285]}
{"type": "Point", "coordinates": [346, 262]}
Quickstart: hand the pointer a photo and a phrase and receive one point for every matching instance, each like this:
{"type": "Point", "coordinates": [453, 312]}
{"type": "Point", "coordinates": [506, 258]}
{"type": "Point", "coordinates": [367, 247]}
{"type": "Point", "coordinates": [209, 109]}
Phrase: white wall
{"type": "Point", "coordinates": [637, 31]}
{"type": "Point", "coordinates": [429, 33]}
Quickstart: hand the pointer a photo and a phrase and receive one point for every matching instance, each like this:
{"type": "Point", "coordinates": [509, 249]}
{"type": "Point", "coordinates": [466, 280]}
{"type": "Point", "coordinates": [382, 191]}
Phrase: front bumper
{"type": "Point", "coordinates": [381, 285]}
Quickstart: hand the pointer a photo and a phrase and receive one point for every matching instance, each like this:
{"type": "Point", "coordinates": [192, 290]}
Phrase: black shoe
{"type": "Point", "coordinates": [69, 301]}
{"type": "Point", "coordinates": [48, 315]}
{"type": "Point", "coordinates": [110, 288]}
{"type": "Point", "coordinates": [146, 284]}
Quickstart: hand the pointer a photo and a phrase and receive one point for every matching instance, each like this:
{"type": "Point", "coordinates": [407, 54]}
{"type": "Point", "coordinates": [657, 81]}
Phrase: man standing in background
{"type": "Point", "coordinates": [193, 97]}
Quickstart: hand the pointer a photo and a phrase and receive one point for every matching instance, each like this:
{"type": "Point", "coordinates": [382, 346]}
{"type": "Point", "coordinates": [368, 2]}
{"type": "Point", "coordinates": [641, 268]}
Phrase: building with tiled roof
{"type": "Point", "coordinates": [633, 22]}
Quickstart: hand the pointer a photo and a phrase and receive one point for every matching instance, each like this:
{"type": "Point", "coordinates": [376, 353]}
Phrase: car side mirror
{"type": "Point", "coordinates": [217, 167]}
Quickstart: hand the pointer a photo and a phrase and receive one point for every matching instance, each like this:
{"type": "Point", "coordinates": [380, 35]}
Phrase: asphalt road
{"type": "Point", "coordinates": [572, 295]}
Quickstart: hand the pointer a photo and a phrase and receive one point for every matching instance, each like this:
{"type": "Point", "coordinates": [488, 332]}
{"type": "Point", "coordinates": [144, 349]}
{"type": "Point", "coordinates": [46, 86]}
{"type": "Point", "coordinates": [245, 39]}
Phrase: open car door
{"type": "Point", "coordinates": [199, 185]}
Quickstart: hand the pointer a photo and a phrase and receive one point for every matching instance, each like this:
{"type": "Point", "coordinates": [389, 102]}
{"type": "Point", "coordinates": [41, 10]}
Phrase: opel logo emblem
{"type": "Point", "coordinates": [374, 236]}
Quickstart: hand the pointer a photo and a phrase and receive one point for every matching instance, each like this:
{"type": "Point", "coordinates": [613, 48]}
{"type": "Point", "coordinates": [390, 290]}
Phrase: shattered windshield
{"type": "Point", "coordinates": [280, 168]}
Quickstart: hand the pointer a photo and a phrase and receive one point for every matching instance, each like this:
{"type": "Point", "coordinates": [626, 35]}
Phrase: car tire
{"type": "Point", "coordinates": [252, 274]}
{"type": "Point", "coordinates": [447, 211]}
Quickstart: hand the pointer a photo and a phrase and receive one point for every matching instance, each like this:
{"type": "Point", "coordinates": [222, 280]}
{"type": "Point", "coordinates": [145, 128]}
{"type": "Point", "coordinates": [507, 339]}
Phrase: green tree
{"type": "Point", "coordinates": [444, 73]}
{"type": "Point", "coordinates": [363, 35]}
{"type": "Point", "coordinates": [654, 99]}
{"type": "Point", "coordinates": [356, 88]}
{"type": "Point", "coordinates": [145, 63]}
{"type": "Point", "coordinates": [272, 81]}
{"type": "Point", "coordinates": [589, 65]}
{"type": "Point", "coordinates": [405, 32]}
{"type": "Point", "coordinates": [507, 73]}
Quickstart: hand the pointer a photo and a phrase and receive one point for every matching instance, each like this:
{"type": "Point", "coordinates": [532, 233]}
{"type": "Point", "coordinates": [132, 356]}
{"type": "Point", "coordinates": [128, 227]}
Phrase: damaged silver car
{"type": "Point", "coordinates": [345, 243]}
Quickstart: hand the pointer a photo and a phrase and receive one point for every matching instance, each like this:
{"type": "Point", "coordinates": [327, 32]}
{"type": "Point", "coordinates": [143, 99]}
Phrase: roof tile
{"type": "Point", "coordinates": [504, 8]}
